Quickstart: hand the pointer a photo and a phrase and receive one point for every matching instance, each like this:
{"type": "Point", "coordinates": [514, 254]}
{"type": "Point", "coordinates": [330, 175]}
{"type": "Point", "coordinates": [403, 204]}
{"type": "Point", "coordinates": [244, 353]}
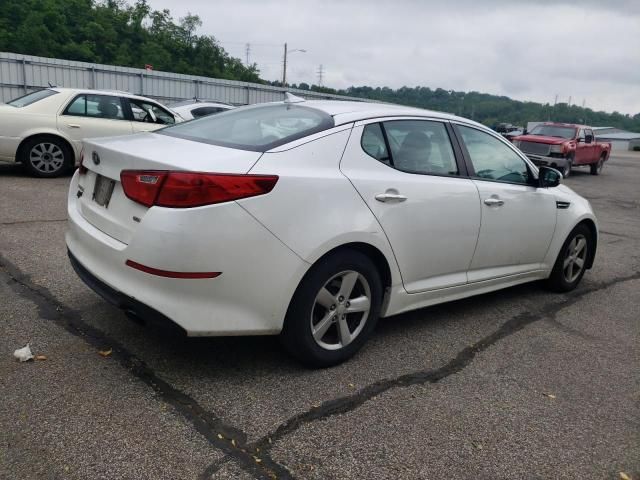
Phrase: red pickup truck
{"type": "Point", "coordinates": [564, 145]}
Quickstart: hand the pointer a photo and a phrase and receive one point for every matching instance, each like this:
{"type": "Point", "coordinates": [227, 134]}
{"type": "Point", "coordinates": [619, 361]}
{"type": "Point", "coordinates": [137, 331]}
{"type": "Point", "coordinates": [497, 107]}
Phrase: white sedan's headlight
{"type": "Point", "coordinates": [556, 149]}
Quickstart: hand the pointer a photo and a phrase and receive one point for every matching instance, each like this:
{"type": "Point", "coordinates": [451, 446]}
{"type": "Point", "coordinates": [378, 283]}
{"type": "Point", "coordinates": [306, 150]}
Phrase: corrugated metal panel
{"type": "Point", "coordinates": [20, 74]}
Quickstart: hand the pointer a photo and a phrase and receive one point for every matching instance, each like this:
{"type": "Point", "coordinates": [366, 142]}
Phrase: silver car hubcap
{"type": "Point", "coordinates": [340, 310]}
{"type": "Point", "coordinates": [574, 258]}
{"type": "Point", "coordinates": [46, 157]}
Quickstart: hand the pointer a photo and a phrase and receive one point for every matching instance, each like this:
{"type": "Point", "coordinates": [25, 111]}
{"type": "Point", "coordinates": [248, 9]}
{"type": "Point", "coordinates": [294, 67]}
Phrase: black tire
{"type": "Point", "coordinates": [596, 168]}
{"type": "Point", "coordinates": [46, 156]}
{"type": "Point", "coordinates": [558, 281]}
{"type": "Point", "coordinates": [566, 170]}
{"type": "Point", "coordinates": [297, 336]}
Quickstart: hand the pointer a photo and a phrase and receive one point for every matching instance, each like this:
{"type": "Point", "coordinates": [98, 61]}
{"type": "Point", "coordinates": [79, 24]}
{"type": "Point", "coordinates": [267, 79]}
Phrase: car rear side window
{"type": "Point", "coordinates": [30, 98]}
{"type": "Point", "coordinates": [96, 106]}
{"type": "Point", "coordinates": [204, 111]}
{"type": "Point", "coordinates": [256, 128]}
{"type": "Point", "coordinates": [415, 146]}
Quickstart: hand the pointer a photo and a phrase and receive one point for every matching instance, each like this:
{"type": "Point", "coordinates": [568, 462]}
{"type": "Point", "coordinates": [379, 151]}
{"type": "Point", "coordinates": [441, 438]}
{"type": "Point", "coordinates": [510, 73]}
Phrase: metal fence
{"type": "Point", "coordinates": [21, 74]}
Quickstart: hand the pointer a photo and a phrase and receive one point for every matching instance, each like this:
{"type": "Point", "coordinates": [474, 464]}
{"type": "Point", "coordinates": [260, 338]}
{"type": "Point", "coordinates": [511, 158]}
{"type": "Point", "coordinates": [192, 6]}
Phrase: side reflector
{"type": "Point", "coordinates": [169, 274]}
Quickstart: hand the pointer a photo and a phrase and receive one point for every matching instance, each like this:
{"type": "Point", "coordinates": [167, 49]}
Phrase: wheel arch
{"type": "Point", "coordinates": [57, 136]}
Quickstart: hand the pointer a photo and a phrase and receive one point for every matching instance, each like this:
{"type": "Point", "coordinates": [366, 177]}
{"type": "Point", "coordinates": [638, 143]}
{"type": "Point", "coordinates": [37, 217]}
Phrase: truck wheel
{"type": "Point", "coordinates": [566, 171]}
{"type": "Point", "coordinates": [596, 168]}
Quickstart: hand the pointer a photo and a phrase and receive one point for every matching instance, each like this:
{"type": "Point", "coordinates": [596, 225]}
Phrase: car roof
{"type": "Point", "coordinates": [99, 92]}
{"type": "Point", "coordinates": [350, 111]}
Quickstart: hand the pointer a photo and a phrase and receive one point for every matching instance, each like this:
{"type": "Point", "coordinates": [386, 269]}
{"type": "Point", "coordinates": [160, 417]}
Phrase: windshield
{"type": "Point", "coordinates": [256, 128]}
{"type": "Point", "coordinates": [553, 131]}
{"type": "Point", "coordinates": [30, 98]}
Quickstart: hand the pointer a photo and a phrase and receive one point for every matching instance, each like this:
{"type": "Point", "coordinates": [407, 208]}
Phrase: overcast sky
{"type": "Point", "coordinates": [528, 50]}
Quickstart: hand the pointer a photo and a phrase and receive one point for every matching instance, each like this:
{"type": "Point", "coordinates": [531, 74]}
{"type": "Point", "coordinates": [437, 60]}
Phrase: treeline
{"type": "Point", "coordinates": [487, 109]}
{"type": "Point", "coordinates": [117, 33]}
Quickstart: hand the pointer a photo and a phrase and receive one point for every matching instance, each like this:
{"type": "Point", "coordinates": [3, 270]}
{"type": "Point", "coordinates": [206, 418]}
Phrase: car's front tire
{"type": "Point", "coordinates": [46, 156]}
{"type": "Point", "coordinates": [334, 309]}
{"type": "Point", "coordinates": [572, 260]}
{"type": "Point", "coordinates": [566, 171]}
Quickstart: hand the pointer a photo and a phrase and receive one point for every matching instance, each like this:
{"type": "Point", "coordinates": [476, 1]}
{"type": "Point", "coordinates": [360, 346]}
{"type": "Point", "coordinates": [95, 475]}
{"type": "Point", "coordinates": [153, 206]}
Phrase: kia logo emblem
{"type": "Point", "coordinates": [96, 158]}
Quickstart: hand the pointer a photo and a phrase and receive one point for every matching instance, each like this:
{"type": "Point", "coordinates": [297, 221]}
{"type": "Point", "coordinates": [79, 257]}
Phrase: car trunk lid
{"type": "Point", "coordinates": [102, 201]}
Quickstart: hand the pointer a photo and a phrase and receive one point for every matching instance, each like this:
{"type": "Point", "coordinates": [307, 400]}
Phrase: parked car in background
{"type": "Point", "coordinates": [190, 109]}
{"type": "Point", "coordinates": [563, 146]}
{"type": "Point", "coordinates": [311, 219]}
{"type": "Point", "coordinates": [44, 130]}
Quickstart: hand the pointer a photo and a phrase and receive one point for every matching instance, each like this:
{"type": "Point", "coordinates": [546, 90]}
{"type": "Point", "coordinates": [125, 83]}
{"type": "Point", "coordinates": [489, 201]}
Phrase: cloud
{"type": "Point", "coordinates": [585, 49]}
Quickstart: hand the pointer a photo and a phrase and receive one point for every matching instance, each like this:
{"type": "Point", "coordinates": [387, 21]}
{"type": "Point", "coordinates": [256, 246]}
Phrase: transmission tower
{"type": "Point", "coordinates": [320, 75]}
{"type": "Point", "coordinates": [247, 51]}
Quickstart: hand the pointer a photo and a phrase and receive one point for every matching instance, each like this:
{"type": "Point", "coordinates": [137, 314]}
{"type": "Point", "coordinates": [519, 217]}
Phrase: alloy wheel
{"type": "Point", "coordinates": [574, 258]}
{"type": "Point", "coordinates": [46, 157]}
{"type": "Point", "coordinates": [340, 310]}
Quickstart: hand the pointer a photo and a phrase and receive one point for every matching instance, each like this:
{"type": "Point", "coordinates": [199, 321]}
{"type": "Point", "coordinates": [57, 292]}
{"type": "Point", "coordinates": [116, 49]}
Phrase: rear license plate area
{"type": "Point", "coordinates": [102, 190]}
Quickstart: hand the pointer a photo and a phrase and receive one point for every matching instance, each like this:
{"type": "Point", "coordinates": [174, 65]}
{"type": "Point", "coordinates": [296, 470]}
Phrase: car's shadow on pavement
{"type": "Point", "coordinates": [257, 355]}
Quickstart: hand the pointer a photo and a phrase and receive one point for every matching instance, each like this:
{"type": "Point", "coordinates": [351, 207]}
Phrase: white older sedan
{"type": "Point", "coordinates": [313, 219]}
{"type": "Point", "coordinates": [44, 130]}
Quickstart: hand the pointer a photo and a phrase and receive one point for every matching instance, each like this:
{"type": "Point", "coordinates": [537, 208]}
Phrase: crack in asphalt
{"type": "Point", "coordinates": [23, 222]}
{"type": "Point", "coordinates": [229, 439]}
{"type": "Point", "coordinates": [348, 403]}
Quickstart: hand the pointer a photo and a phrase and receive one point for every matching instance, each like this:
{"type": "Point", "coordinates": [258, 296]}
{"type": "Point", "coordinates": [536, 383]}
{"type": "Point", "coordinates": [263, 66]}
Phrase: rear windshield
{"type": "Point", "coordinates": [30, 98]}
{"type": "Point", "coordinates": [255, 128]}
{"type": "Point", "coordinates": [554, 131]}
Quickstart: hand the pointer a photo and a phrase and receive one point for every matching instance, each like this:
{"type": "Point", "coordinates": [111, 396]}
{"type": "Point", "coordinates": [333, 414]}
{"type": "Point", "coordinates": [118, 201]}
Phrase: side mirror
{"type": "Point", "coordinates": [588, 139]}
{"type": "Point", "coordinates": [548, 177]}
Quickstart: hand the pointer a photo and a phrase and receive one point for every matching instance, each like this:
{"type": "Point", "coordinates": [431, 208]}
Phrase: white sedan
{"type": "Point", "coordinates": [44, 130]}
{"type": "Point", "coordinates": [190, 109]}
{"type": "Point", "coordinates": [313, 219]}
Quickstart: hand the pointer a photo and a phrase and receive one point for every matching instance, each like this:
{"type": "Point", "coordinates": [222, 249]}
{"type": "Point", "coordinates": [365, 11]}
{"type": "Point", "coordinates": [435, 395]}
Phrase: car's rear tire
{"type": "Point", "coordinates": [596, 168]}
{"type": "Point", "coordinates": [46, 156]}
{"type": "Point", "coordinates": [572, 260]}
{"type": "Point", "coordinates": [323, 325]}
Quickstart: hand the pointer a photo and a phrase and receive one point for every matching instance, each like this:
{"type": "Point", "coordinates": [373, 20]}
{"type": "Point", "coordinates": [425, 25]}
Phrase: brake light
{"type": "Point", "coordinates": [191, 189]}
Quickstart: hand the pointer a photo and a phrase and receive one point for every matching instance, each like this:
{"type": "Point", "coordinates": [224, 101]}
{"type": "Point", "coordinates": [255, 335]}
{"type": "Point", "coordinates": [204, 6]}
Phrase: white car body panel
{"type": "Point", "coordinates": [443, 242]}
{"type": "Point", "coordinates": [419, 228]}
{"type": "Point", "coordinates": [46, 117]}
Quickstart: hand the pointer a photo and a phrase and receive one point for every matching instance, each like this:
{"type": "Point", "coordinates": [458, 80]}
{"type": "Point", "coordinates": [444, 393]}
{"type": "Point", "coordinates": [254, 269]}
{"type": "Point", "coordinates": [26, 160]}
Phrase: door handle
{"type": "Point", "coordinates": [494, 202]}
{"type": "Point", "coordinates": [73, 125]}
{"type": "Point", "coordinates": [390, 197]}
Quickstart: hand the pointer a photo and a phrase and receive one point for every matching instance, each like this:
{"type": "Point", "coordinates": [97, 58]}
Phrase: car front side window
{"type": "Point", "coordinates": [150, 112]}
{"type": "Point", "coordinates": [492, 159]}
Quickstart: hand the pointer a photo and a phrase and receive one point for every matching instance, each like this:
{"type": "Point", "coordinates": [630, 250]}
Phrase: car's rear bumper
{"type": "Point", "coordinates": [139, 310]}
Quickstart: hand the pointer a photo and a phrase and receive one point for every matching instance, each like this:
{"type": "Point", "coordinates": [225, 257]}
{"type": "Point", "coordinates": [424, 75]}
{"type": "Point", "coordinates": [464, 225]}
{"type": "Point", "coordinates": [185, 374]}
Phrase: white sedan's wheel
{"type": "Point", "coordinates": [341, 310]}
{"type": "Point", "coordinates": [572, 260]}
{"type": "Point", "coordinates": [334, 309]}
{"type": "Point", "coordinates": [46, 157]}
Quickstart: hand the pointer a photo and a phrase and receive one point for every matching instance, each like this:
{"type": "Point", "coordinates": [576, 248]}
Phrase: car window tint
{"type": "Point", "coordinates": [420, 146]}
{"type": "Point", "coordinates": [373, 142]}
{"type": "Point", "coordinates": [256, 128]}
{"type": "Point", "coordinates": [492, 159]}
{"type": "Point", "coordinates": [150, 112]}
{"type": "Point", "coordinates": [204, 111]}
{"type": "Point", "coordinates": [96, 106]}
{"type": "Point", "coordinates": [30, 98]}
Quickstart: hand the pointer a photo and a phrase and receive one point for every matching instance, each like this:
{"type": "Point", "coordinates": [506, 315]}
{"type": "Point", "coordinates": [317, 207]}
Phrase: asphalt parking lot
{"type": "Point", "coordinates": [520, 383]}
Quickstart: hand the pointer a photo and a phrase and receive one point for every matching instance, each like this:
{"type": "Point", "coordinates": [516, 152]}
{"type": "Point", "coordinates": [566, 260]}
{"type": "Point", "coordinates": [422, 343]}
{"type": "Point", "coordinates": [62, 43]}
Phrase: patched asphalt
{"type": "Point", "coordinates": [520, 383]}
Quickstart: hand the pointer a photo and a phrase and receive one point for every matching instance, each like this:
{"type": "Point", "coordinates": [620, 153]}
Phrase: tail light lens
{"type": "Point", "coordinates": [191, 189]}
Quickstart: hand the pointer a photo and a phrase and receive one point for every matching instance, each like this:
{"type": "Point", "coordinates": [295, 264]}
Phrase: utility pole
{"type": "Point", "coordinates": [569, 104]}
{"type": "Point", "coordinates": [320, 74]}
{"type": "Point", "coordinates": [284, 70]}
{"type": "Point", "coordinates": [247, 51]}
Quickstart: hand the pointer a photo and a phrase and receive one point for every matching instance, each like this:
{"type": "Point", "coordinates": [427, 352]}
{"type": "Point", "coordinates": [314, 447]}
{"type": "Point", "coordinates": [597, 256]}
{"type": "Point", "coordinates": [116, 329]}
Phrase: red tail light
{"type": "Point", "coordinates": [191, 189]}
